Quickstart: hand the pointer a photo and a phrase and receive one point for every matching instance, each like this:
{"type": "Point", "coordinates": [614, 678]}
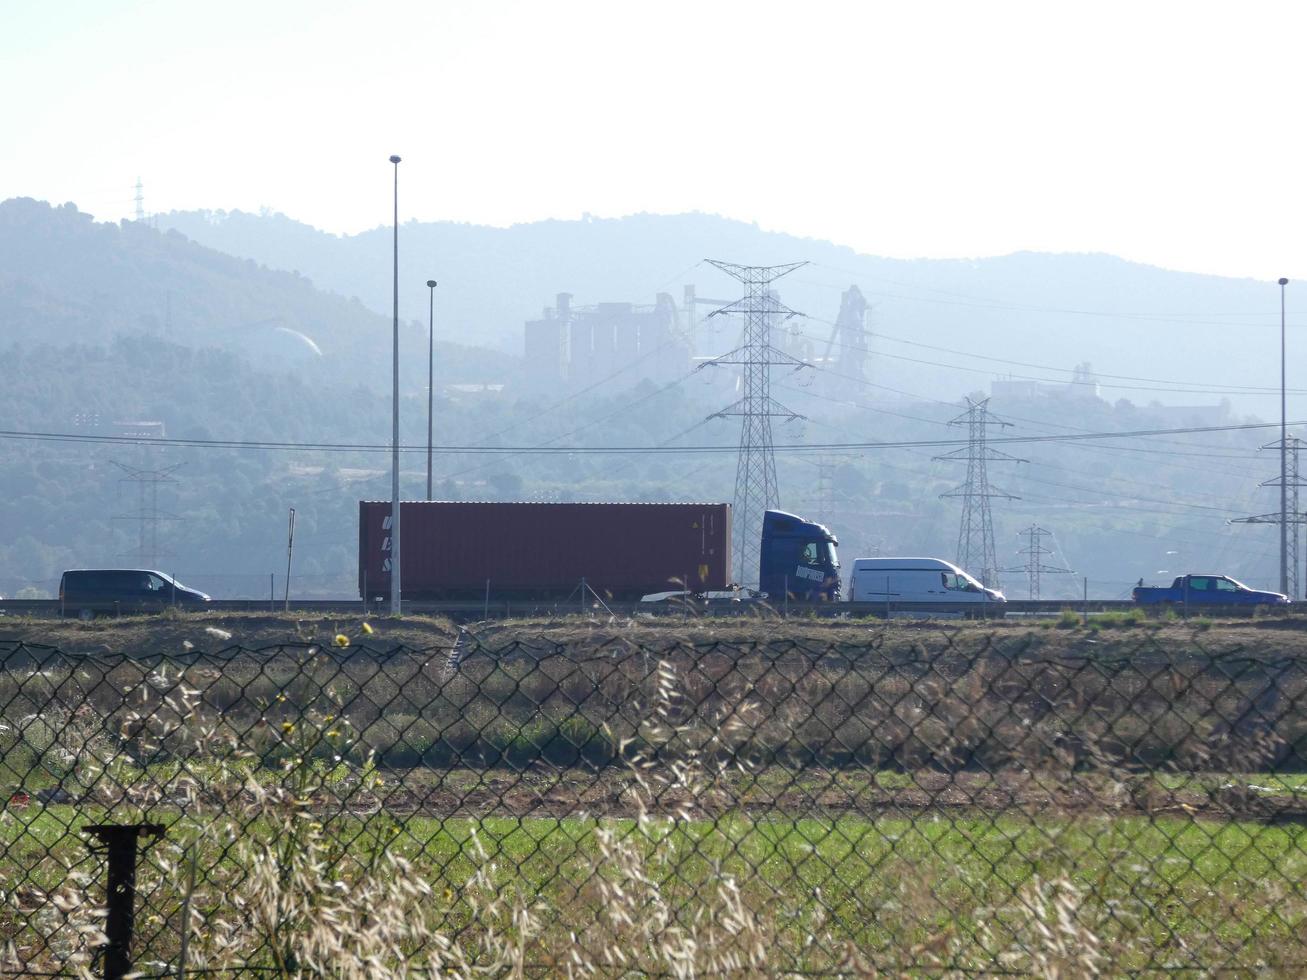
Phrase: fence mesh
{"type": "Point", "coordinates": [607, 808]}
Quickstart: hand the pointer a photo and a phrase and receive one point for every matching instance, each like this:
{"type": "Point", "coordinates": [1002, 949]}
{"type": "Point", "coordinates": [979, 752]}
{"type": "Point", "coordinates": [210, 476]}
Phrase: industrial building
{"type": "Point", "coordinates": [573, 346]}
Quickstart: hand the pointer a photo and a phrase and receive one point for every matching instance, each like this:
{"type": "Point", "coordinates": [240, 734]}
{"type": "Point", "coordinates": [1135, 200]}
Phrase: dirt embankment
{"type": "Point", "coordinates": [211, 632]}
{"type": "Point", "coordinates": [216, 631]}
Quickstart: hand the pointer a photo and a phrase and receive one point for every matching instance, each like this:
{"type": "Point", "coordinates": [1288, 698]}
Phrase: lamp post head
{"type": "Point", "coordinates": [1284, 282]}
{"type": "Point", "coordinates": [431, 283]}
{"type": "Point", "coordinates": [394, 159]}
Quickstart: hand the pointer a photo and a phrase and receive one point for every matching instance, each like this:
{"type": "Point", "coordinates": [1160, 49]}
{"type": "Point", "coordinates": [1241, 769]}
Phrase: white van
{"type": "Point", "coordinates": [905, 580]}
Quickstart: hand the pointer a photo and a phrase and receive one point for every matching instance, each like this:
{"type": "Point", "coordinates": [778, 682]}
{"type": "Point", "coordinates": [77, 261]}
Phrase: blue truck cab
{"type": "Point", "coordinates": [798, 557]}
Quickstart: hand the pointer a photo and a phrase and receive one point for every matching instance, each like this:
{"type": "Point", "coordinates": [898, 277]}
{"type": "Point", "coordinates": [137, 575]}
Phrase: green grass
{"type": "Point", "coordinates": [1274, 784]}
{"type": "Point", "coordinates": [1162, 890]}
{"type": "Point", "coordinates": [1117, 620]}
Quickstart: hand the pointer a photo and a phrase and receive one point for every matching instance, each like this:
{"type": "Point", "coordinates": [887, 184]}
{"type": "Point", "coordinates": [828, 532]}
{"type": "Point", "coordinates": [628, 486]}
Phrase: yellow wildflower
{"type": "Point", "coordinates": [367, 629]}
{"type": "Point", "coordinates": [342, 640]}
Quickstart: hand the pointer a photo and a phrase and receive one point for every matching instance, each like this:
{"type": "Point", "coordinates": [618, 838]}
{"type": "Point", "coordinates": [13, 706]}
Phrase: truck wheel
{"type": "Point", "coordinates": [86, 615]}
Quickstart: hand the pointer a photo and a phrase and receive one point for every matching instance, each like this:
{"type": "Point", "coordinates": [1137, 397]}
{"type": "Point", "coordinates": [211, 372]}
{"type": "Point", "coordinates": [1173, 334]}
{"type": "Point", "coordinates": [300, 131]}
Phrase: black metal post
{"type": "Point", "coordinates": [120, 842]}
{"type": "Point", "coordinates": [396, 566]}
{"type": "Point", "coordinates": [431, 372]}
{"type": "Point", "coordinates": [1284, 451]}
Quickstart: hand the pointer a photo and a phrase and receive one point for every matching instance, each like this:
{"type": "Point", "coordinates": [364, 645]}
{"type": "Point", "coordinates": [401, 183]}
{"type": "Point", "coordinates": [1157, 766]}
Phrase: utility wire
{"type": "Point", "coordinates": [1193, 390]}
{"type": "Point", "coordinates": [363, 447]}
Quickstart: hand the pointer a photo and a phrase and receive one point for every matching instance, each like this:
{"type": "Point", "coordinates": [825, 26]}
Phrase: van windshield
{"type": "Point", "coordinates": [959, 582]}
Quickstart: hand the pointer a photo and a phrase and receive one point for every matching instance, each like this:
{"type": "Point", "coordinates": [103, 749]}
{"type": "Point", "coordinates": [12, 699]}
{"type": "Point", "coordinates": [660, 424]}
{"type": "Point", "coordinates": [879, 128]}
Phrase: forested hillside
{"type": "Point", "coordinates": [65, 278]}
{"type": "Point", "coordinates": [1119, 509]}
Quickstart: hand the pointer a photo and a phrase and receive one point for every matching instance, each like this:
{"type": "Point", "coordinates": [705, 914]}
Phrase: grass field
{"type": "Point", "coordinates": [948, 891]}
{"type": "Point", "coordinates": [711, 799]}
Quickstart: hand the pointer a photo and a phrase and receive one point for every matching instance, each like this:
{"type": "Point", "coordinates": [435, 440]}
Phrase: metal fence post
{"type": "Point", "coordinates": [119, 842]}
{"type": "Point", "coordinates": [290, 550]}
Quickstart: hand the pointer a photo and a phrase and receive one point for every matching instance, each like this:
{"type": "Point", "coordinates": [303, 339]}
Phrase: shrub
{"type": "Point", "coordinates": [577, 740]}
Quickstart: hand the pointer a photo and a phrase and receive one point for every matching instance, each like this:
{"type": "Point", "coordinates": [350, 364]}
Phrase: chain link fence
{"type": "Point", "coordinates": [971, 805]}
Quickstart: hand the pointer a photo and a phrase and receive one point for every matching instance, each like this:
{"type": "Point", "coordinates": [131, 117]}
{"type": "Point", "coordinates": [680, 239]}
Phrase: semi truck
{"type": "Point", "coordinates": [1206, 590]}
{"type": "Point", "coordinates": [454, 550]}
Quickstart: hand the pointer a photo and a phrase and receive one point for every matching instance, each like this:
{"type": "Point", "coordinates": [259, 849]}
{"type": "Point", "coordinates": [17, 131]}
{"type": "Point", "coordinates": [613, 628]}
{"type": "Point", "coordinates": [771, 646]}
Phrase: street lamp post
{"type": "Point", "coordinates": [395, 579]}
{"type": "Point", "coordinates": [431, 371]}
{"type": "Point", "coordinates": [1284, 468]}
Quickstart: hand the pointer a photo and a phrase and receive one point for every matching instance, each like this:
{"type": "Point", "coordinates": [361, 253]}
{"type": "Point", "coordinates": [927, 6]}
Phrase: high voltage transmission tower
{"type": "Point", "coordinates": [976, 533]}
{"type": "Point", "coordinates": [1290, 517]}
{"type": "Point", "coordinates": [821, 495]}
{"type": "Point", "coordinates": [140, 200]}
{"type": "Point", "coordinates": [147, 515]}
{"type": "Point", "coordinates": [1034, 566]}
{"type": "Point", "coordinates": [756, 490]}
{"type": "Point", "coordinates": [826, 491]}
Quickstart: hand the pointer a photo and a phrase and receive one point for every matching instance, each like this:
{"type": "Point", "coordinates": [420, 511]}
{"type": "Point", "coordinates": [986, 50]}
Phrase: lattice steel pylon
{"type": "Point", "coordinates": [976, 533]}
{"type": "Point", "coordinates": [756, 490]}
{"type": "Point", "coordinates": [1034, 567]}
{"type": "Point", "coordinates": [148, 515]}
{"type": "Point", "coordinates": [1291, 515]}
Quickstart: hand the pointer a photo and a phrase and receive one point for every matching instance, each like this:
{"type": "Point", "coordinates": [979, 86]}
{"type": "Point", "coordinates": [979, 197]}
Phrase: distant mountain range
{"type": "Point", "coordinates": [939, 327]}
{"type": "Point", "coordinates": [67, 279]}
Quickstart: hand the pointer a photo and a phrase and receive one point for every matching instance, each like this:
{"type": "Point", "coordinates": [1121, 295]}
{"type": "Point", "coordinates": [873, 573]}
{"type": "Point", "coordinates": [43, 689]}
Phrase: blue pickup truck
{"type": "Point", "coordinates": [1207, 590]}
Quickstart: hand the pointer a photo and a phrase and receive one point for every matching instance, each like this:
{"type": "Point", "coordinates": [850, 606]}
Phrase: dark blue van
{"type": "Point", "coordinates": [90, 592]}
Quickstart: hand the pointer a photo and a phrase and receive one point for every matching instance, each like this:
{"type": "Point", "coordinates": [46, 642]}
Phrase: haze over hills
{"type": "Point", "coordinates": [103, 323]}
{"type": "Point", "coordinates": [1169, 335]}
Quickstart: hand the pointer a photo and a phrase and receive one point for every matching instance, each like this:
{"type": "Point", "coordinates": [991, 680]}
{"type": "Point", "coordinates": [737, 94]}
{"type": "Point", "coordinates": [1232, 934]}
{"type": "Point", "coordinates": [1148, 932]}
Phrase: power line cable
{"type": "Point", "coordinates": [1192, 390]}
{"type": "Point", "coordinates": [453, 450]}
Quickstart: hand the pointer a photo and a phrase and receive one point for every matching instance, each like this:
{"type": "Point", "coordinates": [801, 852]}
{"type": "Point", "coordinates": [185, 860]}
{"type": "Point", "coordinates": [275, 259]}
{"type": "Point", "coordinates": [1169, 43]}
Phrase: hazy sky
{"type": "Point", "coordinates": [1164, 132]}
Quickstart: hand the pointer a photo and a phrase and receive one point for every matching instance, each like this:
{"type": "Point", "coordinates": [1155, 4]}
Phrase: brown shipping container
{"type": "Point", "coordinates": [533, 550]}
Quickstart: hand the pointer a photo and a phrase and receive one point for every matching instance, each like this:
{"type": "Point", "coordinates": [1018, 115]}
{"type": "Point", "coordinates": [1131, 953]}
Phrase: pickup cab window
{"type": "Point", "coordinates": [1200, 584]}
{"type": "Point", "coordinates": [1225, 585]}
